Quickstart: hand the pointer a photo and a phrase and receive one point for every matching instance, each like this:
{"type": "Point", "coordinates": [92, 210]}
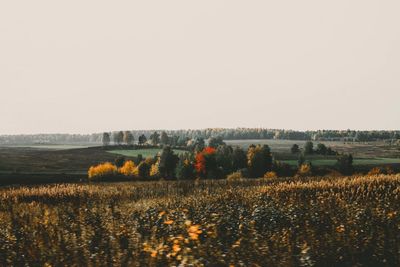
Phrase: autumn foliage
{"type": "Point", "coordinates": [103, 169]}
{"type": "Point", "coordinates": [129, 169]}
{"type": "Point", "coordinates": [205, 161]}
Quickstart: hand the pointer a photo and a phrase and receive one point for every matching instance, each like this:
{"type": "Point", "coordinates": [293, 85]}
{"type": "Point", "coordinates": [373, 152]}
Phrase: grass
{"type": "Point", "coordinates": [362, 150]}
{"type": "Point", "coordinates": [350, 221]}
{"type": "Point", "coordinates": [148, 152]}
{"type": "Point", "coordinates": [51, 161]}
{"type": "Point", "coordinates": [52, 146]}
{"type": "Point", "coordinates": [357, 162]}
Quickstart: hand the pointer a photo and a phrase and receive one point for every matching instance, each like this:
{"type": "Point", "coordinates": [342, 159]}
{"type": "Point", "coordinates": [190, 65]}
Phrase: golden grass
{"type": "Point", "coordinates": [331, 221]}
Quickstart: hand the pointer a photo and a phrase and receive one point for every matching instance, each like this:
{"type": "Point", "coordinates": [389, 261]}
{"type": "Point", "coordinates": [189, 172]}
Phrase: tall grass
{"type": "Point", "coordinates": [351, 221]}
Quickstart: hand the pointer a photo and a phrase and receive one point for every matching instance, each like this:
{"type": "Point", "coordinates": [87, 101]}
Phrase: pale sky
{"type": "Point", "coordinates": [83, 66]}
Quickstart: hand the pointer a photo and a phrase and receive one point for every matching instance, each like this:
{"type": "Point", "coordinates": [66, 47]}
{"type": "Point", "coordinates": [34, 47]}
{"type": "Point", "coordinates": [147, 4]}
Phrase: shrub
{"type": "Point", "coordinates": [129, 169]}
{"type": "Point", "coordinates": [304, 170]}
{"type": "Point", "coordinates": [375, 171]}
{"type": "Point", "coordinates": [144, 169]}
{"type": "Point", "coordinates": [154, 170]}
{"type": "Point", "coordinates": [101, 170]}
{"type": "Point", "coordinates": [270, 175]}
{"type": "Point", "coordinates": [119, 161]}
{"type": "Point", "coordinates": [236, 176]}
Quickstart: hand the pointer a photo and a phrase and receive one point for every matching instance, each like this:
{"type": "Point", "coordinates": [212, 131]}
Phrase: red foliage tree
{"type": "Point", "coordinates": [205, 161]}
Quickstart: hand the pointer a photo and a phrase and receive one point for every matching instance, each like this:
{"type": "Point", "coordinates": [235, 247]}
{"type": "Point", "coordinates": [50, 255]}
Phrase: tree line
{"type": "Point", "coordinates": [224, 133]}
{"type": "Point", "coordinates": [214, 160]}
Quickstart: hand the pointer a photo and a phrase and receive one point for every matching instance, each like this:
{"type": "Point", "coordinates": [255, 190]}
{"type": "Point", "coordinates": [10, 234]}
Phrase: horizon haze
{"type": "Point", "coordinates": [94, 66]}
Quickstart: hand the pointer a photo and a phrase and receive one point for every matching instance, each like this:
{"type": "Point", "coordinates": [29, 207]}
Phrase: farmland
{"type": "Point", "coordinates": [66, 163]}
{"type": "Point", "coordinates": [347, 221]}
{"type": "Point", "coordinates": [149, 152]}
{"type": "Point", "coordinates": [364, 150]}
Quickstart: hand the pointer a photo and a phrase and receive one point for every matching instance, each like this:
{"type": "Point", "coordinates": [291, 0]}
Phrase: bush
{"type": "Point", "coordinates": [304, 170]}
{"type": "Point", "coordinates": [144, 169]}
{"type": "Point", "coordinates": [129, 169]}
{"type": "Point", "coordinates": [375, 171]}
{"type": "Point", "coordinates": [101, 170]}
{"type": "Point", "coordinates": [236, 176]}
{"type": "Point", "coordinates": [270, 175]}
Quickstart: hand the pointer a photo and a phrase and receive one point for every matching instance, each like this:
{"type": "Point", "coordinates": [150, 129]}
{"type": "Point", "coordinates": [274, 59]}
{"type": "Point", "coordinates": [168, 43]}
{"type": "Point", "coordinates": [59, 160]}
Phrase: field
{"type": "Point", "coordinates": [353, 221]}
{"type": "Point", "coordinates": [149, 152]}
{"type": "Point", "coordinates": [357, 161]}
{"type": "Point", "coordinates": [51, 146]}
{"type": "Point", "coordinates": [64, 163]}
{"type": "Point", "coordinates": [362, 150]}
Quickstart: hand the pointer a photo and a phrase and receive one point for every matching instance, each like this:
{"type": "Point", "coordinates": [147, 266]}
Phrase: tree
{"type": "Point", "coordinates": [345, 164]}
{"type": "Point", "coordinates": [206, 163]}
{"type": "Point", "coordinates": [309, 148]}
{"type": "Point", "coordinates": [215, 142]}
{"type": "Point", "coordinates": [301, 160]}
{"type": "Point", "coordinates": [259, 160]}
{"type": "Point", "coordinates": [155, 138]}
{"type": "Point", "coordinates": [224, 157]}
{"type": "Point", "coordinates": [106, 139]}
{"type": "Point", "coordinates": [164, 138]}
{"type": "Point", "coordinates": [321, 149]}
{"type": "Point", "coordinates": [167, 162]}
{"type": "Point", "coordinates": [144, 169]}
{"type": "Point", "coordinates": [119, 161]}
{"type": "Point", "coordinates": [118, 137]}
{"type": "Point", "coordinates": [128, 169]}
{"type": "Point", "coordinates": [128, 138]}
{"type": "Point", "coordinates": [239, 159]}
{"type": "Point", "coordinates": [102, 170]}
{"type": "Point", "coordinates": [185, 168]}
{"type": "Point", "coordinates": [142, 139]}
{"type": "Point", "coordinates": [295, 149]}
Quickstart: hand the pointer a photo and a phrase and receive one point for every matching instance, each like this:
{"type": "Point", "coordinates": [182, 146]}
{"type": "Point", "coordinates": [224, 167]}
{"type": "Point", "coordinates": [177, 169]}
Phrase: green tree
{"type": "Point", "coordinates": [118, 137]}
{"type": "Point", "coordinates": [215, 142]}
{"type": "Point", "coordinates": [164, 139]}
{"type": "Point", "coordinates": [142, 139]}
{"type": "Point", "coordinates": [155, 138]}
{"type": "Point", "coordinates": [106, 139]}
{"type": "Point", "coordinates": [309, 148]}
{"type": "Point", "coordinates": [144, 169]}
{"type": "Point", "coordinates": [295, 149]}
{"type": "Point", "coordinates": [259, 160]}
{"type": "Point", "coordinates": [168, 162]}
{"type": "Point", "coordinates": [185, 168]}
{"type": "Point", "coordinates": [344, 164]}
{"type": "Point", "coordinates": [321, 149]}
{"type": "Point", "coordinates": [128, 138]}
{"type": "Point", "coordinates": [224, 157]}
{"type": "Point", "coordinates": [301, 160]}
{"type": "Point", "coordinates": [239, 159]}
{"type": "Point", "coordinates": [119, 161]}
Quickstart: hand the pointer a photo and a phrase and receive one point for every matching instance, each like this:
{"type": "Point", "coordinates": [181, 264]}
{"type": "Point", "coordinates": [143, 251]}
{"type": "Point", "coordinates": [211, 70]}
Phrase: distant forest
{"type": "Point", "coordinates": [226, 134]}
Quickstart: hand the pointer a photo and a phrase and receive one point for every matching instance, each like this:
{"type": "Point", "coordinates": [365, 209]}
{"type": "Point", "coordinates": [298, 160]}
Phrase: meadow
{"type": "Point", "coordinates": [326, 161]}
{"type": "Point", "coordinates": [148, 152]}
{"type": "Point", "coordinates": [346, 221]}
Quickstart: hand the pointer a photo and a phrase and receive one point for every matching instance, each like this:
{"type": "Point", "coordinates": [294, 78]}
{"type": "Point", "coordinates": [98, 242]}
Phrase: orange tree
{"type": "Point", "coordinates": [206, 163]}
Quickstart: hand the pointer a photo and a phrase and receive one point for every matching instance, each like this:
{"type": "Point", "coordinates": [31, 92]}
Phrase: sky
{"type": "Point", "coordinates": [82, 66]}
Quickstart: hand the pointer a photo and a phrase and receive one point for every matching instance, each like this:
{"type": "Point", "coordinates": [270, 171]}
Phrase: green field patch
{"type": "Point", "coordinates": [148, 152]}
{"type": "Point", "coordinates": [357, 161]}
{"type": "Point", "coordinates": [51, 146]}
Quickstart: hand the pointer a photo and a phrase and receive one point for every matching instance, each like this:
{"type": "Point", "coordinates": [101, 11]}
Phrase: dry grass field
{"type": "Point", "coordinates": [345, 221]}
